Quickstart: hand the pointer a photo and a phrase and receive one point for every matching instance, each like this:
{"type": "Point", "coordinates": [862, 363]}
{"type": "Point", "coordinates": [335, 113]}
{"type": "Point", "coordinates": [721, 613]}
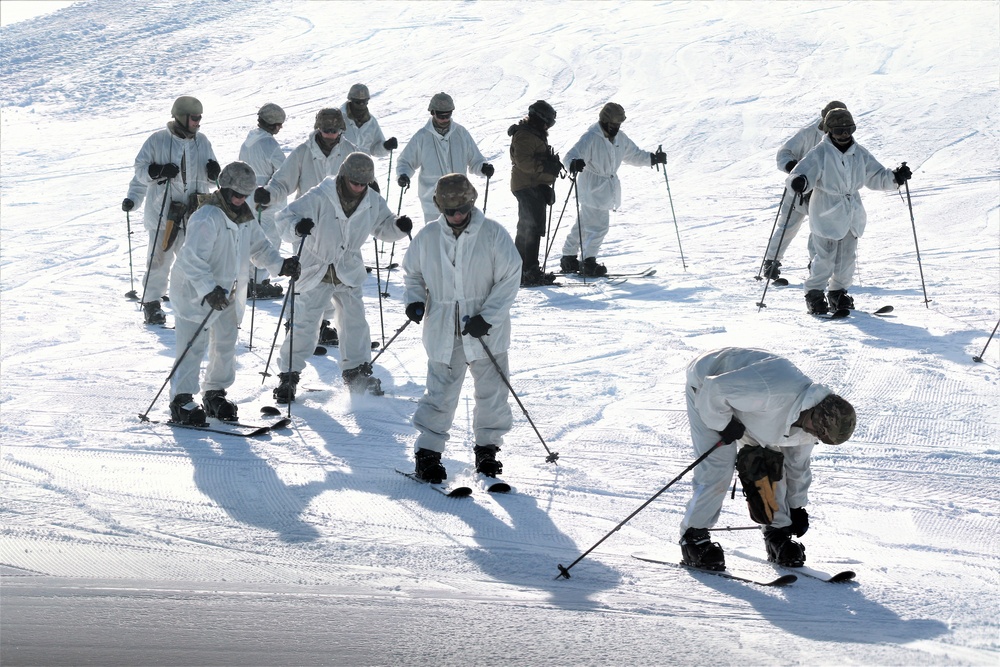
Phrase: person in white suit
{"type": "Point", "coordinates": [594, 161]}
{"type": "Point", "coordinates": [440, 147]}
{"type": "Point", "coordinates": [208, 285]}
{"type": "Point", "coordinates": [363, 129]}
{"type": "Point", "coordinates": [462, 273]}
{"type": "Point", "coordinates": [793, 210]}
{"type": "Point", "coordinates": [754, 398]}
{"type": "Point", "coordinates": [832, 175]}
{"type": "Point", "coordinates": [173, 167]}
{"type": "Point", "coordinates": [336, 217]}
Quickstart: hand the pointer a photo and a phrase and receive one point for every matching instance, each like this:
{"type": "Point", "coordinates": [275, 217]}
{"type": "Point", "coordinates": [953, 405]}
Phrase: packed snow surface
{"type": "Point", "coordinates": [126, 542]}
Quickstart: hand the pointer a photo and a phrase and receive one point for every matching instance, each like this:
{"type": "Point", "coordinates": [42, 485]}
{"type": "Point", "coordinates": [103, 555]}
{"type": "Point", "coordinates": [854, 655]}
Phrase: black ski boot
{"type": "Point", "coordinates": [328, 335]}
{"type": "Point", "coordinates": [218, 406]}
{"type": "Point", "coordinates": [839, 298]}
{"type": "Point", "coordinates": [698, 550]}
{"type": "Point", "coordinates": [152, 312]}
{"type": "Point", "coordinates": [782, 549]}
{"type": "Point", "coordinates": [428, 466]}
{"type": "Point", "coordinates": [359, 381]}
{"type": "Point", "coordinates": [265, 290]}
{"type": "Point", "coordinates": [816, 302]}
{"type": "Point", "coordinates": [772, 269]}
{"type": "Point", "coordinates": [569, 264]}
{"type": "Point", "coordinates": [535, 278]}
{"type": "Point", "coordinates": [486, 460]}
{"type": "Point", "coordinates": [285, 391]}
{"type": "Point", "coordinates": [593, 269]}
{"type": "Point", "coordinates": [184, 410]}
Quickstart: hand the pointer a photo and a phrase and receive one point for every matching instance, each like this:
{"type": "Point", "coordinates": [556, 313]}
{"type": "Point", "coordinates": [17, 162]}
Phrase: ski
{"type": "Point", "coordinates": [281, 423]}
{"type": "Point", "coordinates": [805, 570]}
{"type": "Point", "coordinates": [451, 492]}
{"type": "Point", "coordinates": [261, 430]}
{"type": "Point", "coordinates": [493, 484]}
{"type": "Point", "coordinates": [780, 282]}
{"type": "Point", "coordinates": [841, 313]}
{"type": "Point", "coordinates": [613, 282]}
{"type": "Point", "coordinates": [639, 274]}
{"type": "Point", "coordinates": [783, 580]}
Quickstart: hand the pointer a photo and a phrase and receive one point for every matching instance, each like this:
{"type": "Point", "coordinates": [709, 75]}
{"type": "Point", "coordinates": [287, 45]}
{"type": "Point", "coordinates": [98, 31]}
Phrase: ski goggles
{"type": "Point", "coordinates": [442, 115]}
{"type": "Point", "coordinates": [195, 117]}
{"type": "Point", "coordinates": [363, 103]}
{"type": "Point", "coordinates": [843, 131]}
{"type": "Point", "coordinates": [461, 210]}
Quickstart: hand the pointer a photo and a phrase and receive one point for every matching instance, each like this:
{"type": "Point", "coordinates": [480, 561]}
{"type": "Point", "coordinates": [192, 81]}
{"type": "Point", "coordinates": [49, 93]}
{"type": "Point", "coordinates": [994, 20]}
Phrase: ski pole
{"type": "Point", "coordinates": [378, 280]}
{"type": "Point", "coordinates": [548, 231]}
{"type": "Point", "coordinates": [253, 288]}
{"type": "Point", "coordinates": [979, 359]}
{"type": "Point", "coordinates": [915, 244]}
{"type": "Point", "coordinates": [564, 571]}
{"type": "Point", "coordinates": [281, 315]}
{"type": "Point", "coordinates": [388, 186]}
{"type": "Point", "coordinates": [398, 331]}
{"type": "Point", "coordinates": [579, 228]}
{"type": "Point", "coordinates": [552, 236]}
{"type": "Point", "coordinates": [201, 327]}
{"type": "Point", "coordinates": [131, 279]}
{"type": "Point", "coordinates": [670, 197]}
{"type": "Point", "coordinates": [156, 238]}
{"type": "Point", "coordinates": [791, 209]}
{"type": "Point", "coordinates": [486, 197]}
{"type": "Point", "coordinates": [552, 457]}
{"type": "Point", "coordinates": [392, 250]}
{"type": "Point", "coordinates": [291, 332]}
{"type": "Point", "coordinates": [767, 247]}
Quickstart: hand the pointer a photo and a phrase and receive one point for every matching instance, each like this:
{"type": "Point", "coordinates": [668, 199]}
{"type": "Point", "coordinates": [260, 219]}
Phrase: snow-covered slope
{"type": "Point", "coordinates": [125, 542]}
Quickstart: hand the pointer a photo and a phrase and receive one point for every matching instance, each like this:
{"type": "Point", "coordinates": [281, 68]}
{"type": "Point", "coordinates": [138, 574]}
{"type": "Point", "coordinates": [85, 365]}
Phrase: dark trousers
{"type": "Point", "coordinates": [531, 203]}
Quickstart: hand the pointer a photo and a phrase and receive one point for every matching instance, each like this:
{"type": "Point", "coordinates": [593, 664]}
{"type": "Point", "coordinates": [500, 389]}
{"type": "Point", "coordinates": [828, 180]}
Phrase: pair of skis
{"type": "Point", "coordinates": [783, 580]}
{"type": "Point", "coordinates": [842, 313]}
{"type": "Point", "coordinates": [237, 429]}
{"type": "Point", "coordinates": [491, 484]}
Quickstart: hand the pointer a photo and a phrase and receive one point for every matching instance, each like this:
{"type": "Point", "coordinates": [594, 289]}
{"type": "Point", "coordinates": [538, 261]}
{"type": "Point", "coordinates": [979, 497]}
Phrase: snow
{"type": "Point", "coordinates": [127, 543]}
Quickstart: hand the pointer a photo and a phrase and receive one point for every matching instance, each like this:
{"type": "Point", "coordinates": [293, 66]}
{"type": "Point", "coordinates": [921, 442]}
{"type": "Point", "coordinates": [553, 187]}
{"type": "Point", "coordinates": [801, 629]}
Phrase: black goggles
{"type": "Point", "coordinates": [461, 210]}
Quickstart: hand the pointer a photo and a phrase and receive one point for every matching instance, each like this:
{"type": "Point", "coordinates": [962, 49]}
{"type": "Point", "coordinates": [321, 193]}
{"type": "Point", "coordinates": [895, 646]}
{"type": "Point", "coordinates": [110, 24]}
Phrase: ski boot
{"type": "Point", "coordinates": [535, 278]}
{"type": "Point", "coordinates": [593, 269]}
{"type": "Point", "coordinates": [184, 410]}
{"type": "Point", "coordinates": [328, 335]}
{"type": "Point", "coordinates": [359, 381]}
{"type": "Point", "coordinates": [428, 466]}
{"type": "Point", "coordinates": [782, 549]}
{"type": "Point", "coordinates": [816, 302]}
{"type": "Point", "coordinates": [152, 313]}
{"type": "Point", "coordinates": [218, 406]}
{"type": "Point", "coordinates": [698, 550]}
{"type": "Point", "coordinates": [285, 391]}
{"type": "Point", "coordinates": [772, 269]}
{"type": "Point", "coordinates": [569, 264]}
{"type": "Point", "coordinates": [839, 298]}
{"type": "Point", "coordinates": [486, 460]}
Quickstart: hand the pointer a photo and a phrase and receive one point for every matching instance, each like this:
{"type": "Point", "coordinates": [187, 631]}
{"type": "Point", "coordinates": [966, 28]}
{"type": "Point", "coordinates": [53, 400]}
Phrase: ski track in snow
{"type": "Point", "coordinates": [312, 521]}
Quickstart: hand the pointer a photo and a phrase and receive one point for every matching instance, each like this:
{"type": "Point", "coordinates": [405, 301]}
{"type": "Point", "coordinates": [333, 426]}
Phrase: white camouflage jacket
{"type": "Point", "coordinates": [598, 183]}
{"type": "Point", "coordinates": [306, 167]}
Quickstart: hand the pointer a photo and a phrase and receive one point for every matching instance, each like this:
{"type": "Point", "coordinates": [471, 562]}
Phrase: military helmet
{"type": "Point", "coordinates": [544, 112]}
{"type": "Point", "coordinates": [358, 91]}
{"type": "Point", "coordinates": [441, 102]}
{"type": "Point", "coordinates": [454, 191]}
{"type": "Point", "coordinates": [358, 167]}
{"type": "Point", "coordinates": [271, 114]}
{"type": "Point", "coordinates": [833, 419]}
{"type": "Point", "coordinates": [185, 106]}
{"type": "Point", "coordinates": [330, 120]}
{"type": "Point", "coordinates": [827, 109]}
{"type": "Point", "coordinates": [612, 113]}
{"type": "Point", "coordinates": [238, 177]}
{"type": "Point", "coordinates": [838, 118]}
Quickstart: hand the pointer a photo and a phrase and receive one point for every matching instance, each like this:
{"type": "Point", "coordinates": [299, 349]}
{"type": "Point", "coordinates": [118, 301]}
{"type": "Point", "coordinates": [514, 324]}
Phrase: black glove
{"type": "Point", "coordinates": [734, 431]}
{"type": "Point", "coordinates": [799, 184]}
{"type": "Point", "coordinates": [261, 196]}
{"type": "Point", "coordinates": [800, 521]}
{"type": "Point", "coordinates": [291, 268]}
{"type": "Point", "coordinates": [476, 327]}
{"type": "Point", "coordinates": [218, 298]}
{"type": "Point", "coordinates": [405, 224]}
{"type": "Point", "coordinates": [576, 166]}
{"type": "Point", "coordinates": [550, 194]}
{"type": "Point", "coordinates": [304, 227]}
{"type": "Point", "coordinates": [659, 157]}
{"type": "Point", "coordinates": [127, 204]}
{"type": "Point", "coordinates": [390, 144]}
{"type": "Point", "coordinates": [902, 175]}
{"type": "Point", "coordinates": [158, 171]}
{"type": "Point", "coordinates": [487, 170]}
{"type": "Point", "coordinates": [213, 170]}
{"type": "Point", "coordinates": [404, 181]}
{"type": "Point", "coordinates": [790, 165]}
{"type": "Point", "coordinates": [415, 311]}
{"type": "Point", "coordinates": [552, 165]}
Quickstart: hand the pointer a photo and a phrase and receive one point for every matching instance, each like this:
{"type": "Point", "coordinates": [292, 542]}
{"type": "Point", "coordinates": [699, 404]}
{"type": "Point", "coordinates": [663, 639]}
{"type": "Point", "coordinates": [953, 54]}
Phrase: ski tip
{"type": "Point", "coordinates": [780, 282]}
{"type": "Point", "coordinates": [783, 580]}
{"type": "Point", "coordinates": [840, 314]}
{"type": "Point", "coordinates": [499, 487]}
{"type": "Point", "coordinates": [281, 423]}
{"type": "Point", "coordinates": [320, 351]}
{"type": "Point", "coordinates": [884, 310]}
{"type": "Point", "coordinates": [270, 410]}
{"type": "Point", "coordinates": [459, 492]}
{"type": "Point", "coordinates": [840, 577]}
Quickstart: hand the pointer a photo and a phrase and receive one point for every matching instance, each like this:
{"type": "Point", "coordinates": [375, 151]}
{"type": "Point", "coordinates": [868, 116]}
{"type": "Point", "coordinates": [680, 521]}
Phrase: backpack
{"type": "Point", "coordinates": [760, 469]}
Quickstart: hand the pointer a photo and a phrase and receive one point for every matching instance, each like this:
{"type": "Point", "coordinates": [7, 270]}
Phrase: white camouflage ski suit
{"type": "Point", "coordinates": [306, 167]}
{"type": "Point", "coordinates": [788, 225]}
{"type": "Point", "coordinates": [837, 217]}
{"type": "Point", "coordinates": [217, 252]}
{"type": "Point", "coordinates": [192, 156]}
{"type": "Point", "coordinates": [336, 241]}
{"type": "Point", "coordinates": [477, 273]}
{"type": "Point", "coordinates": [598, 187]}
{"type": "Point", "coordinates": [261, 151]}
{"type": "Point", "coordinates": [368, 137]}
{"type": "Point", "coordinates": [435, 155]}
{"type": "Point", "coordinates": [766, 393]}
